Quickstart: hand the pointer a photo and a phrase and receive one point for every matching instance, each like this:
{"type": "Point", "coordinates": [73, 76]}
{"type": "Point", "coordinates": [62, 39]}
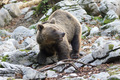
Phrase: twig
{"type": "Point", "coordinates": [59, 65]}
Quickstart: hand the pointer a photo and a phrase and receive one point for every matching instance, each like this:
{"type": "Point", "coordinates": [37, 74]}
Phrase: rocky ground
{"type": "Point", "coordinates": [100, 42]}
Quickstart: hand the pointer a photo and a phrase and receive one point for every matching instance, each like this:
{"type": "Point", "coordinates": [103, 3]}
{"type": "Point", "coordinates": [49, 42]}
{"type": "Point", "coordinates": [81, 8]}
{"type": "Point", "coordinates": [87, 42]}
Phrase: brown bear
{"type": "Point", "coordinates": [57, 34]}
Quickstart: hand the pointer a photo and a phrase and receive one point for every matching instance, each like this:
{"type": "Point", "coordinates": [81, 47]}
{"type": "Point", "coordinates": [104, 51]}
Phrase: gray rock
{"type": "Point", "coordinates": [102, 53]}
{"type": "Point", "coordinates": [5, 17]}
{"type": "Point", "coordinates": [94, 31]}
{"type": "Point", "coordinates": [100, 76]}
{"type": "Point", "coordinates": [23, 57]}
{"type": "Point", "coordinates": [73, 8]}
{"type": "Point", "coordinates": [28, 15]}
{"type": "Point", "coordinates": [111, 15]}
{"type": "Point", "coordinates": [13, 1]}
{"type": "Point", "coordinates": [90, 6]}
{"type": "Point", "coordinates": [51, 74]}
{"type": "Point", "coordinates": [74, 78]}
{"type": "Point", "coordinates": [4, 33]}
{"type": "Point", "coordinates": [114, 77]}
{"type": "Point", "coordinates": [59, 68]}
{"type": "Point", "coordinates": [86, 59]}
{"type": "Point", "coordinates": [111, 28]}
{"type": "Point", "coordinates": [107, 5]}
{"type": "Point", "coordinates": [13, 9]}
{"type": "Point", "coordinates": [28, 73]}
{"type": "Point", "coordinates": [84, 29]}
{"type": "Point", "coordinates": [25, 10]}
{"type": "Point", "coordinates": [7, 46]}
{"type": "Point", "coordinates": [22, 32]}
{"type": "Point", "coordinates": [69, 70]}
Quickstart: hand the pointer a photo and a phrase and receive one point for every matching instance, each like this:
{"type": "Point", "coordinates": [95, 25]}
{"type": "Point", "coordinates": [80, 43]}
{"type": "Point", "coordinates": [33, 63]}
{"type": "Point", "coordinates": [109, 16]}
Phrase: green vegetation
{"type": "Point", "coordinates": [103, 21]}
{"type": "Point", "coordinates": [111, 46]}
{"type": "Point", "coordinates": [10, 78]}
{"type": "Point", "coordinates": [42, 7]}
{"type": "Point", "coordinates": [45, 19]}
{"type": "Point", "coordinates": [5, 58]}
{"type": "Point", "coordinates": [25, 50]}
{"type": "Point", "coordinates": [117, 37]}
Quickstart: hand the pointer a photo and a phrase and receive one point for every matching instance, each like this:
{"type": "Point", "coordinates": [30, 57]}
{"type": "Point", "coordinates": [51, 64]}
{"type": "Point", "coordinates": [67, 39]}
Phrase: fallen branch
{"type": "Point", "coordinates": [29, 3]}
{"type": "Point", "coordinates": [51, 67]}
{"type": "Point", "coordinates": [77, 62]}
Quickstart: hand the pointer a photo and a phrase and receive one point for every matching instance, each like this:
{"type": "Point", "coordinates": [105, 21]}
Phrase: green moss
{"type": "Point", "coordinates": [10, 78]}
{"type": "Point", "coordinates": [117, 37]}
{"type": "Point", "coordinates": [32, 27]}
{"type": "Point", "coordinates": [83, 37]}
{"type": "Point", "coordinates": [111, 46]}
{"type": "Point", "coordinates": [25, 50]}
{"type": "Point", "coordinates": [42, 7]}
{"type": "Point", "coordinates": [45, 19]}
{"type": "Point", "coordinates": [5, 58]}
{"type": "Point", "coordinates": [54, 8]}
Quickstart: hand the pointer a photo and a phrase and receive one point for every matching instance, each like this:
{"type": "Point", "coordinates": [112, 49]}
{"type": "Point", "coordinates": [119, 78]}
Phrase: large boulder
{"type": "Point", "coordinates": [90, 6]}
{"type": "Point", "coordinates": [73, 8]}
{"type": "Point", "coordinates": [13, 9]}
{"type": "Point", "coordinates": [107, 5]}
{"type": "Point", "coordinates": [22, 32]}
{"type": "Point", "coordinates": [111, 29]}
{"type": "Point", "coordinates": [5, 17]}
{"type": "Point", "coordinates": [7, 46]}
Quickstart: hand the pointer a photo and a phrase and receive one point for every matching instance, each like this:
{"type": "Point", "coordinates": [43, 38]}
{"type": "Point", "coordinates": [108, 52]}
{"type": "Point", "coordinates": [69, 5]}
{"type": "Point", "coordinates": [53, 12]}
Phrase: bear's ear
{"type": "Point", "coordinates": [52, 21]}
{"type": "Point", "coordinates": [40, 27]}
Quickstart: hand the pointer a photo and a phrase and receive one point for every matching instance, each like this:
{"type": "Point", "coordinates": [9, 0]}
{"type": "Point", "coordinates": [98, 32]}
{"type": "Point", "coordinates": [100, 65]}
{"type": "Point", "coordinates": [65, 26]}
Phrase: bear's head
{"type": "Point", "coordinates": [49, 33]}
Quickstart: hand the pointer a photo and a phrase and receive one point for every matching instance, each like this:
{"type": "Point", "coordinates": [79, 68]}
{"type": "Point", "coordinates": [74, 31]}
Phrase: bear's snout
{"type": "Point", "coordinates": [63, 34]}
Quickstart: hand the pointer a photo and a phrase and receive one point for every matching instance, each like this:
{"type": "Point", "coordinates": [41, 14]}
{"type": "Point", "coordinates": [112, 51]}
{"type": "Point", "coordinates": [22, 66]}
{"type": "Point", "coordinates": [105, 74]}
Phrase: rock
{"type": "Point", "coordinates": [4, 33]}
{"type": "Point", "coordinates": [85, 30]}
{"type": "Point", "coordinates": [74, 78]}
{"type": "Point", "coordinates": [28, 73]}
{"type": "Point", "coordinates": [100, 76]}
{"type": "Point", "coordinates": [29, 14]}
{"type": "Point", "coordinates": [5, 17]}
{"type": "Point", "coordinates": [51, 74]}
{"type": "Point", "coordinates": [111, 28]}
{"type": "Point", "coordinates": [107, 5]}
{"type": "Point", "coordinates": [23, 57]}
{"type": "Point", "coordinates": [90, 6]}
{"type": "Point", "coordinates": [59, 68]}
{"type": "Point", "coordinates": [7, 46]}
{"type": "Point", "coordinates": [94, 31]}
{"type": "Point", "coordinates": [105, 51]}
{"type": "Point", "coordinates": [73, 75]}
{"type": "Point", "coordinates": [6, 72]}
{"type": "Point", "coordinates": [111, 15]}
{"type": "Point", "coordinates": [69, 70]}
{"type": "Point", "coordinates": [86, 59]}
{"type": "Point", "coordinates": [25, 10]}
{"type": "Point", "coordinates": [13, 1]}
{"type": "Point", "coordinates": [13, 9]}
{"type": "Point", "coordinates": [22, 32]}
{"type": "Point", "coordinates": [73, 8]}
{"type": "Point", "coordinates": [114, 77]}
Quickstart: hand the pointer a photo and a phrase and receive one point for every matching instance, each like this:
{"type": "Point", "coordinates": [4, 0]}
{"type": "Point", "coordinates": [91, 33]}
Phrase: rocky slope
{"type": "Point", "coordinates": [100, 43]}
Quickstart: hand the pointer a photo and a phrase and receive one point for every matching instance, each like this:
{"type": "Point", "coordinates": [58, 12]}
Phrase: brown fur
{"type": "Point", "coordinates": [51, 38]}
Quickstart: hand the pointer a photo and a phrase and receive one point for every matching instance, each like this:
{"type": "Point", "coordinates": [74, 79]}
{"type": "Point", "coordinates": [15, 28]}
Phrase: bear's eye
{"type": "Point", "coordinates": [54, 30]}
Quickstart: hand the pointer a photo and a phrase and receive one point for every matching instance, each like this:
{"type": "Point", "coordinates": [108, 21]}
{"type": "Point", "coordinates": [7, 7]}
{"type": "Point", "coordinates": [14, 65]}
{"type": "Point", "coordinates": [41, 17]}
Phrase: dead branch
{"type": "Point", "coordinates": [65, 60]}
{"type": "Point", "coordinates": [51, 67]}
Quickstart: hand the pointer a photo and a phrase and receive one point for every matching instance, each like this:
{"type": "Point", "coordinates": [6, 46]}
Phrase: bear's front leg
{"type": "Point", "coordinates": [41, 58]}
{"type": "Point", "coordinates": [63, 50]}
{"type": "Point", "coordinates": [76, 42]}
